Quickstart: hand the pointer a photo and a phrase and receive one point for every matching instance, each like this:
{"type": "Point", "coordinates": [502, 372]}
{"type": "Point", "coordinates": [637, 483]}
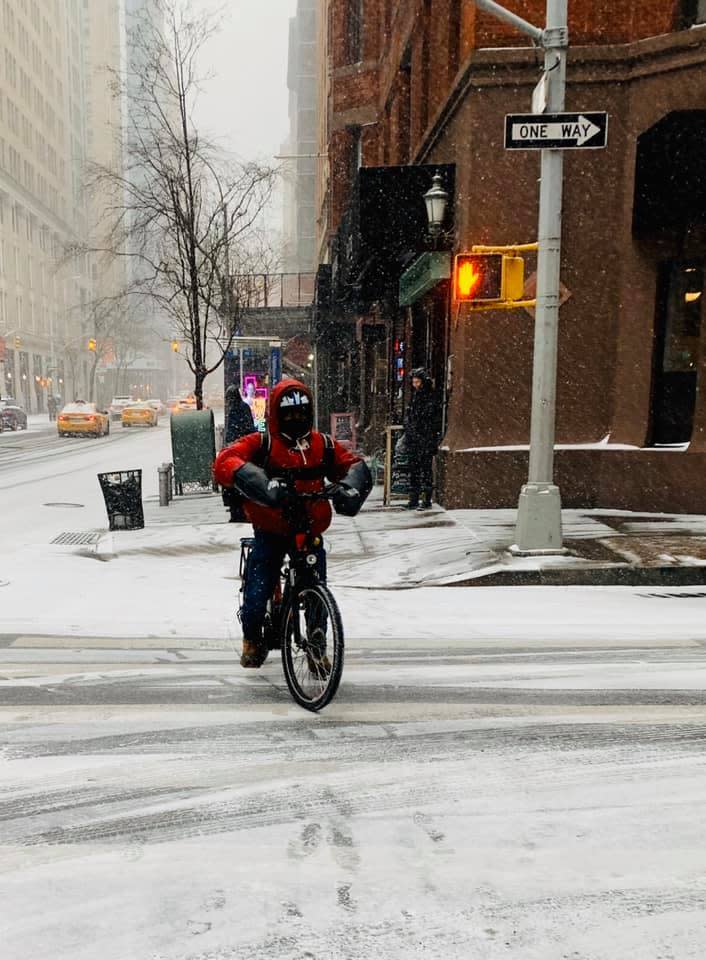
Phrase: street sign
{"type": "Point", "coordinates": [556, 131]}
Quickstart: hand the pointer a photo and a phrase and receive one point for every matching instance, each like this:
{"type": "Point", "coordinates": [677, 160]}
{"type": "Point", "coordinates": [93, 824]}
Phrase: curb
{"type": "Point", "coordinates": [590, 577]}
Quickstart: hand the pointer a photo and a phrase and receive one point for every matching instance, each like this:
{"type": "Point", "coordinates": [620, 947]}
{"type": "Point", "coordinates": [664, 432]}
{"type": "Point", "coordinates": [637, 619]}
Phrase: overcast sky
{"type": "Point", "coordinates": [246, 102]}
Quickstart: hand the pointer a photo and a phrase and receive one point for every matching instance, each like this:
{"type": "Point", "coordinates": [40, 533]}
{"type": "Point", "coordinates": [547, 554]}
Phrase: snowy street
{"type": "Point", "coordinates": [525, 781]}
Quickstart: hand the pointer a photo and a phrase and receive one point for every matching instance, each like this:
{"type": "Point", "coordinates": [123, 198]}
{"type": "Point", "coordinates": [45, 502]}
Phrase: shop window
{"type": "Point", "coordinates": [683, 318]}
{"type": "Point", "coordinates": [678, 335]}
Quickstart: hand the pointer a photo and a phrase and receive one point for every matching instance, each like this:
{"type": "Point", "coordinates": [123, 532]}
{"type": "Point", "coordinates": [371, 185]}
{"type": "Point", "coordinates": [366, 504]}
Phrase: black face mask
{"type": "Point", "coordinates": [295, 422]}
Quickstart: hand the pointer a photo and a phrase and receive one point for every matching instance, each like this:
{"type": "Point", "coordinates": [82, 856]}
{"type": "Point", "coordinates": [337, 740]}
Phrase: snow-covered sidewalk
{"type": "Point", "coordinates": [179, 578]}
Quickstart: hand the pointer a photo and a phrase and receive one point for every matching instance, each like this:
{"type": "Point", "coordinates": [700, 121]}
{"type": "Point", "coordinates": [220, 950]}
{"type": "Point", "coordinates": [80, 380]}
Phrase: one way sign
{"type": "Point", "coordinates": [556, 131]}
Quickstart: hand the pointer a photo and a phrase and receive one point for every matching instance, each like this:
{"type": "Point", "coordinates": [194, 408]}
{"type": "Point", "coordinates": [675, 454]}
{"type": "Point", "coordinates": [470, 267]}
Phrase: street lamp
{"type": "Point", "coordinates": [436, 200]}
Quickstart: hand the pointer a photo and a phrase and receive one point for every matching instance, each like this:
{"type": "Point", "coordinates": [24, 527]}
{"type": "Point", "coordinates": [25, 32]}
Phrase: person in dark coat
{"type": "Point", "coordinates": [238, 423]}
{"type": "Point", "coordinates": [422, 432]}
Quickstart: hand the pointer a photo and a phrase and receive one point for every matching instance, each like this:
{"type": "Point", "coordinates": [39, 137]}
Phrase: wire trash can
{"type": "Point", "coordinates": [122, 492]}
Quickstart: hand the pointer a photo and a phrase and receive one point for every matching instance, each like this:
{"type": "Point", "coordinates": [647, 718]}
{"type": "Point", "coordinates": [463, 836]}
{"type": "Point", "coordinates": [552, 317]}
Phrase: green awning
{"type": "Point", "coordinates": [425, 273]}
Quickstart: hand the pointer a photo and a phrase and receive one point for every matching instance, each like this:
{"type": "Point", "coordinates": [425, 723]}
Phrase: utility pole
{"type": "Point", "coordinates": [539, 509]}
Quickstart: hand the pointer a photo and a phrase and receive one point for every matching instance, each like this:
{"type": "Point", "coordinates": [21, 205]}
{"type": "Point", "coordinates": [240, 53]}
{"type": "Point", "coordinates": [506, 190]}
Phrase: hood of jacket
{"type": "Point", "coordinates": [273, 424]}
{"type": "Point", "coordinates": [420, 373]}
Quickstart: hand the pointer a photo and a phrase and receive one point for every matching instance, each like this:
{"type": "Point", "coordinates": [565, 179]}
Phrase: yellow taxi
{"type": "Point", "coordinates": [182, 405]}
{"type": "Point", "coordinates": [81, 418]}
{"type": "Point", "coordinates": [139, 415]}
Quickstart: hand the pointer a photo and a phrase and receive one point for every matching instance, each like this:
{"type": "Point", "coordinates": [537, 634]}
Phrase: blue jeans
{"type": "Point", "coordinates": [264, 566]}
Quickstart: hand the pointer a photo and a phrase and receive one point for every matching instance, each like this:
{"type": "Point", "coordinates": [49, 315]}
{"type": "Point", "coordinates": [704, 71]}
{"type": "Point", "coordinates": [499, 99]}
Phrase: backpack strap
{"type": "Point", "coordinates": [263, 453]}
{"type": "Point", "coordinates": [329, 454]}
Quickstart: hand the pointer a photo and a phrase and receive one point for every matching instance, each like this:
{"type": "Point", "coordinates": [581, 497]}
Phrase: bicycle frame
{"type": "Point", "coordinates": [301, 616]}
{"type": "Point", "coordinates": [300, 564]}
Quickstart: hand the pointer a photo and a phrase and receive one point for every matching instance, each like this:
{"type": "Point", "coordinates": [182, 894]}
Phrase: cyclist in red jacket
{"type": "Point", "coordinates": [261, 469]}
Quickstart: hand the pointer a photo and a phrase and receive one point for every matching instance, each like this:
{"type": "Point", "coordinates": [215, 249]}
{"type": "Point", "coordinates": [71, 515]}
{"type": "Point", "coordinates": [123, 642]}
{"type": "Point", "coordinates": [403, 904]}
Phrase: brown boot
{"type": "Point", "coordinates": [253, 655]}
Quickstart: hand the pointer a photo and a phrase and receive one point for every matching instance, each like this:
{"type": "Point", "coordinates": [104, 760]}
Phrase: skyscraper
{"type": "Point", "coordinates": [42, 209]}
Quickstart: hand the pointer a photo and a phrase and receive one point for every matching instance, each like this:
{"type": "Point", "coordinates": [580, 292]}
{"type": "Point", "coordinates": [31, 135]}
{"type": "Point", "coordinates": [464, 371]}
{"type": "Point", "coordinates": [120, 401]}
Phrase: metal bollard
{"type": "Point", "coordinates": [165, 484]}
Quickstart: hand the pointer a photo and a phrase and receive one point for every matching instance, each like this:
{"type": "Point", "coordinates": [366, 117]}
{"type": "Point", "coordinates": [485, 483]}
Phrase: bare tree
{"type": "Point", "coordinates": [181, 212]}
{"type": "Point", "coordinates": [119, 338]}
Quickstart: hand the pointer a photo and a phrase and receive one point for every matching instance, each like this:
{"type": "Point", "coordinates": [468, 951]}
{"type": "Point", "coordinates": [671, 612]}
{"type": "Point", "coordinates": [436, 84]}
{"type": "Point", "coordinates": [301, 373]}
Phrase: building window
{"type": "Point", "coordinates": [356, 153]}
{"type": "Point", "coordinates": [404, 109]}
{"type": "Point", "coordinates": [354, 31]}
{"type": "Point", "coordinates": [454, 58]}
{"type": "Point", "coordinates": [685, 285]}
{"type": "Point", "coordinates": [422, 82]}
{"type": "Point", "coordinates": [693, 13]}
{"type": "Point", "coordinates": [678, 348]}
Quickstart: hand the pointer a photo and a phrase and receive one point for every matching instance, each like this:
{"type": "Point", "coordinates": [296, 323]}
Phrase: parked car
{"type": "Point", "coordinates": [139, 415]}
{"type": "Point", "coordinates": [83, 418]}
{"type": "Point", "coordinates": [12, 416]}
{"type": "Point", "coordinates": [117, 405]}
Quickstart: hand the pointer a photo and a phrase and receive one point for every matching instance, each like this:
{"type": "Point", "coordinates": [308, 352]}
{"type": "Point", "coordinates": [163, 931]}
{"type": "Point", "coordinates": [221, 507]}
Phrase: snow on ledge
{"type": "Point", "coordinates": [603, 444]}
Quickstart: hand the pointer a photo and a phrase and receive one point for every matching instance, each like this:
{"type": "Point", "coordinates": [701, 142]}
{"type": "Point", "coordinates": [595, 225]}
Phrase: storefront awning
{"type": "Point", "coordinates": [424, 274]}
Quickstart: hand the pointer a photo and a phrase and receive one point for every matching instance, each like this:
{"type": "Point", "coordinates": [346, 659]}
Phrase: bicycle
{"type": "Point", "coordinates": [302, 617]}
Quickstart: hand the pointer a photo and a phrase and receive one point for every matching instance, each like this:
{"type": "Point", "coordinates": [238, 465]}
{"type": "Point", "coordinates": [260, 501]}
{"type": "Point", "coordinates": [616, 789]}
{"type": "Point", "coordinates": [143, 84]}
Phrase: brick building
{"type": "Point", "coordinates": [420, 85]}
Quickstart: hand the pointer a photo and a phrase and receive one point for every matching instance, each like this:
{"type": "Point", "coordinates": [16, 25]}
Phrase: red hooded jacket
{"type": "Point", "coordinates": [284, 455]}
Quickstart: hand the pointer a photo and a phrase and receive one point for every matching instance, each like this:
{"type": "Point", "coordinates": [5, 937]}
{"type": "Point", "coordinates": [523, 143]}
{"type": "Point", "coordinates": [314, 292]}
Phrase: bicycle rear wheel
{"type": "Point", "coordinates": [312, 646]}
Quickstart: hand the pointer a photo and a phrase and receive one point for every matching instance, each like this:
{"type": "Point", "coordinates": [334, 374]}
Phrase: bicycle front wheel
{"type": "Point", "coordinates": [312, 646]}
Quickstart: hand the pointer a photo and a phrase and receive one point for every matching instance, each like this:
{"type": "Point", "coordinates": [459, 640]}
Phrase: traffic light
{"type": "Point", "coordinates": [92, 345]}
{"type": "Point", "coordinates": [18, 343]}
{"type": "Point", "coordinates": [488, 278]}
{"type": "Point", "coordinates": [479, 277]}
{"type": "Point", "coordinates": [175, 346]}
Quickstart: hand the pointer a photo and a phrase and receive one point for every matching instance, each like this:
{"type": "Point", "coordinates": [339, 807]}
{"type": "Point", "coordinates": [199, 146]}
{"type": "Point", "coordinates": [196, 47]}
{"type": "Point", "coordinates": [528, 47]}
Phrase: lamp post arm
{"type": "Point", "coordinates": [536, 33]}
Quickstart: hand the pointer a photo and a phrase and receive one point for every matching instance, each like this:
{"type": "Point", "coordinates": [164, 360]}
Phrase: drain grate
{"type": "Point", "coordinates": [77, 538]}
{"type": "Point", "coordinates": [63, 504]}
{"type": "Point", "coordinates": [671, 596]}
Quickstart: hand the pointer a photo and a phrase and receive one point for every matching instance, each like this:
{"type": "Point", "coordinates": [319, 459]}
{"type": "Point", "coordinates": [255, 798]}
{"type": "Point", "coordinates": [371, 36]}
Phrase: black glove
{"type": "Point", "coordinates": [346, 500]}
{"type": "Point", "coordinates": [353, 490]}
{"type": "Point", "coordinates": [279, 492]}
{"type": "Point", "coordinates": [254, 484]}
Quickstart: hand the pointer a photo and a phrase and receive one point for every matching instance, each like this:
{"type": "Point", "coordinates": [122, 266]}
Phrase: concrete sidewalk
{"type": "Point", "coordinates": [391, 548]}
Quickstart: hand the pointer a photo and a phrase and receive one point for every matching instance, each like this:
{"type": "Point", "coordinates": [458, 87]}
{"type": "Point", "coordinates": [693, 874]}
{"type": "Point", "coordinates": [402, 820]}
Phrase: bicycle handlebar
{"type": "Point", "coordinates": [328, 494]}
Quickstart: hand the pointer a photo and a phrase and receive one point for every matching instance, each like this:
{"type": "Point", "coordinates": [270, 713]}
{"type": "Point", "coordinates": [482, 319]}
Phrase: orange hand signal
{"type": "Point", "coordinates": [468, 279]}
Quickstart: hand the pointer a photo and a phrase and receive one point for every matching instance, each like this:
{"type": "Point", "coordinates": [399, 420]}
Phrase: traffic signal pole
{"type": "Point", "coordinates": [539, 508]}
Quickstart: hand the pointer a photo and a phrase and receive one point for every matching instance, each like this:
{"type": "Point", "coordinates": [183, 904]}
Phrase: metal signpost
{"type": "Point", "coordinates": [539, 510]}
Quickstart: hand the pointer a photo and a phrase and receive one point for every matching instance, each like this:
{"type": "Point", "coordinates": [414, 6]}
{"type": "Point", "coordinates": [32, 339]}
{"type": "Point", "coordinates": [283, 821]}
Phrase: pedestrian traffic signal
{"type": "Point", "coordinates": [92, 345]}
{"type": "Point", "coordinates": [175, 346]}
{"type": "Point", "coordinates": [488, 278]}
{"type": "Point", "coordinates": [479, 277]}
